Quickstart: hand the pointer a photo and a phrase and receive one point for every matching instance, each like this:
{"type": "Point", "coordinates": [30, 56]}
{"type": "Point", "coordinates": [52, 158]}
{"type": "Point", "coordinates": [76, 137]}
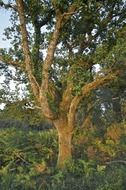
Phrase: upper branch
{"type": "Point", "coordinates": [60, 21]}
{"type": "Point", "coordinates": [25, 46]}
{"type": "Point", "coordinates": [50, 54]}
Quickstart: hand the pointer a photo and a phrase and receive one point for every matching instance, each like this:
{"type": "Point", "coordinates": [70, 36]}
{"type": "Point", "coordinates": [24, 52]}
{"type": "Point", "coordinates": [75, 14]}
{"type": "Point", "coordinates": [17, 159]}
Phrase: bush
{"type": "Point", "coordinates": [28, 159]}
{"type": "Point", "coordinates": [24, 156]}
{"type": "Point", "coordinates": [90, 176]}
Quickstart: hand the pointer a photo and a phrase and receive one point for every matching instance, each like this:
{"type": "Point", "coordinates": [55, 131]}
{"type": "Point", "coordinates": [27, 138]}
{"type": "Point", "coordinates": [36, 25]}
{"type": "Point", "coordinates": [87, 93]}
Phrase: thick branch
{"type": "Point", "coordinates": [50, 54]}
{"type": "Point", "coordinates": [60, 21]}
{"type": "Point", "coordinates": [85, 91]}
{"type": "Point", "coordinates": [25, 46]}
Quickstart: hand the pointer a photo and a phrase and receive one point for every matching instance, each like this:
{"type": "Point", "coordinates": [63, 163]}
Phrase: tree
{"type": "Point", "coordinates": [76, 35]}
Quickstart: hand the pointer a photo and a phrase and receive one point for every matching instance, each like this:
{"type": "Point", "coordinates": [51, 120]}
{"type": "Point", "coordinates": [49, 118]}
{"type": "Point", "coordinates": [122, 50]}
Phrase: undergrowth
{"type": "Point", "coordinates": [28, 160]}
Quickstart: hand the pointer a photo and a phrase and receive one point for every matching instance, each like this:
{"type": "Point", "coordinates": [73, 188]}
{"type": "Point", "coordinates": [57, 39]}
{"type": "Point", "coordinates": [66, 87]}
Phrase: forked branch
{"type": "Point", "coordinates": [60, 21]}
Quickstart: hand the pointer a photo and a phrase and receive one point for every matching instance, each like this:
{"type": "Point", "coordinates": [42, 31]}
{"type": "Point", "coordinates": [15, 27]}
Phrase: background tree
{"type": "Point", "coordinates": [76, 36]}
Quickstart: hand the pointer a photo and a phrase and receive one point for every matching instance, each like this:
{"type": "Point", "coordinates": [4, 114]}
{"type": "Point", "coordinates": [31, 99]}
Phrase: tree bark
{"type": "Point", "coordinates": [64, 141]}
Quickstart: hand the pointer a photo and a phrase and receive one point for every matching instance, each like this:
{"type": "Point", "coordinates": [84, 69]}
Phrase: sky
{"type": "Point", "coordinates": [4, 22]}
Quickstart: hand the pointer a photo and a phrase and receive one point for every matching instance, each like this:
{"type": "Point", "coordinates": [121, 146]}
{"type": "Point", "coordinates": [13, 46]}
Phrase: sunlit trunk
{"type": "Point", "coordinates": [65, 144]}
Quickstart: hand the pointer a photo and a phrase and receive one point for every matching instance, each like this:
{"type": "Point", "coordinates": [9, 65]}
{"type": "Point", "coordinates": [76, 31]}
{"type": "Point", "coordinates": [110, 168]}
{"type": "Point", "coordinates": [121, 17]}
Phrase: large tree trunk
{"type": "Point", "coordinates": [65, 144]}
